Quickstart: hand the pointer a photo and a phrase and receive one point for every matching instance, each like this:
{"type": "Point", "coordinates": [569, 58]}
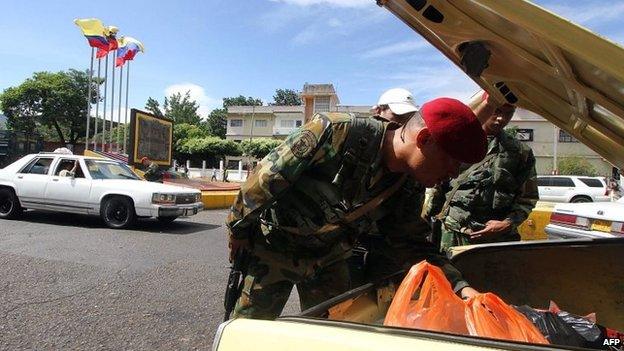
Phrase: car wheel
{"type": "Point", "coordinates": [118, 212]}
{"type": "Point", "coordinates": [167, 219]}
{"type": "Point", "coordinates": [9, 204]}
{"type": "Point", "coordinates": [578, 199]}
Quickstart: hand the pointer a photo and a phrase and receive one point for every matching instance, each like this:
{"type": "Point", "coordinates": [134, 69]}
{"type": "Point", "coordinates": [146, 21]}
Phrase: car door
{"type": "Point", "coordinates": [545, 189]}
{"type": "Point", "coordinates": [563, 189]}
{"type": "Point", "coordinates": [31, 181]}
{"type": "Point", "coordinates": [69, 193]}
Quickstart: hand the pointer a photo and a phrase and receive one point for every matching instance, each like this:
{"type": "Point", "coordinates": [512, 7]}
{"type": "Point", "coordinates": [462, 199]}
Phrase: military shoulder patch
{"type": "Point", "coordinates": [303, 144]}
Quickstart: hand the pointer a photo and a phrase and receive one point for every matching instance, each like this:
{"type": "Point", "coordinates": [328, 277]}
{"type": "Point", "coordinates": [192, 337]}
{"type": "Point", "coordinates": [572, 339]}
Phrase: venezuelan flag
{"type": "Point", "coordinates": [128, 48]}
{"type": "Point", "coordinates": [94, 31]}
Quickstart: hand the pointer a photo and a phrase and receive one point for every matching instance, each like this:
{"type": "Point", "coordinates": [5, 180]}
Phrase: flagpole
{"type": "Point", "coordinates": [97, 106]}
{"type": "Point", "coordinates": [126, 114]}
{"type": "Point", "coordinates": [112, 119]}
{"type": "Point", "coordinates": [89, 100]}
{"type": "Point", "coordinates": [119, 114]}
{"type": "Point", "coordinates": [105, 95]}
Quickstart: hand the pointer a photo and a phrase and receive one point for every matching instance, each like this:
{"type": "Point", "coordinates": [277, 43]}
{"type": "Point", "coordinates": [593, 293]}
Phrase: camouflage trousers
{"type": "Point", "coordinates": [272, 275]}
{"type": "Point", "coordinates": [453, 234]}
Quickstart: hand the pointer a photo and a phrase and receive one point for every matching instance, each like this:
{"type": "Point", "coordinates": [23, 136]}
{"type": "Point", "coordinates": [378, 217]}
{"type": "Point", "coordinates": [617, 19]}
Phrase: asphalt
{"type": "Point", "coordinates": [69, 283]}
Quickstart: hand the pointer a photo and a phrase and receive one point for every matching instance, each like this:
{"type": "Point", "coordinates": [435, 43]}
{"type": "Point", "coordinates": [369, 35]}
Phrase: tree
{"type": "Point", "coordinates": [286, 97]}
{"type": "Point", "coordinates": [209, 148]}
{"type": "Point", "coordinates": [177, 107]}
{"type": "Point", "coordinates": [217, 122]}
{"type": "Point", "coordinates": [56, 101]}
{"type": "Point", "coordinates": [241, 101]}
{"type": "Point", "coordinates": [153, 106]}
{"type": "Point", "coordinates": [576, 166]}
{"type": "Point", "coordinates": [260, 147]}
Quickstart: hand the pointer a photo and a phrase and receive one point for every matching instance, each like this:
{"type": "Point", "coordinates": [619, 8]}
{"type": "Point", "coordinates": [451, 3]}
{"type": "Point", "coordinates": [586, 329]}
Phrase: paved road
{"type": "Point", "coordinates": [70, 283]}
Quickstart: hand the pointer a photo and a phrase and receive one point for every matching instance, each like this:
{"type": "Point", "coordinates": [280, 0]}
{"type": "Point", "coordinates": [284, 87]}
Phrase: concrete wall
{"type": "Point", "coordinates": [544, 135]}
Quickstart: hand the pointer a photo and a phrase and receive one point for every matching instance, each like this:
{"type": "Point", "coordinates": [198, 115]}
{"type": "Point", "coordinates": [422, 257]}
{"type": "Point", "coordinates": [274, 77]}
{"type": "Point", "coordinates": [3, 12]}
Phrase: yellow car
{"type": "Point", "coordinates": [527, 56]}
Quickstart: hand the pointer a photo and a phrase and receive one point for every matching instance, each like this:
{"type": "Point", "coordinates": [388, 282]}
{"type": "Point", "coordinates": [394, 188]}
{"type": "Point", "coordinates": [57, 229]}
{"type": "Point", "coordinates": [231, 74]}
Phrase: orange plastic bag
{"type": "Point", "coordinates": [487, 315]}
{"type": "Point", "coordinates": [436, 308]}
{"type": "Point", "coordinates": [425, 300]}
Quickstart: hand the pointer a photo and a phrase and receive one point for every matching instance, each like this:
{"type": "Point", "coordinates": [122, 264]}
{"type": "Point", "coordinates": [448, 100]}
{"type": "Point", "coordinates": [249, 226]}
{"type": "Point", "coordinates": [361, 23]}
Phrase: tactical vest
{"type": "Point", "coordinates": [476, 200]}
{"type": "Point", "coordinates": [327, 192]}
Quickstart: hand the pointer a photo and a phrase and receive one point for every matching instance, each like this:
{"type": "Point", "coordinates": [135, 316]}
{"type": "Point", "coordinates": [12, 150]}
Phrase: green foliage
{"type": "Point", "coordinates": [260, 147]}
{"type": "Point", "coordinates": [50, 101]}
{"type": "Point", "coordinates": [118, 130]}
{"type": "Point", "coordinates": [209, 148]}
{"type": "Point", "coordinates": [177, 107]}
{"type": "Point", "coordinates": [217, 122]}
{"type": "Point", "coordinates": [153, 106]}
{"type": "Point", "coordinates": [286, 97]}
{"type": "Point", "coordinates": [241, 101]}
{"type": "Point", "coordinates": [576, 166]}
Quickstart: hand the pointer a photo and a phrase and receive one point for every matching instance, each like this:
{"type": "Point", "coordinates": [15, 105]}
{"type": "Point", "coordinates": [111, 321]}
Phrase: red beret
{"type": "Point", "coordinates": [456, 129]}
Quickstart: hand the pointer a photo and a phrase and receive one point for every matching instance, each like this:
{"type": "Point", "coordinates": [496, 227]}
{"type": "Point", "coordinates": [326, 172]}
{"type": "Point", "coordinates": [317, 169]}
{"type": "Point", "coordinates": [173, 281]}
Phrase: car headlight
{"type": "Point", "coordinates": [159, 198]}
{"type": "Point", "coordinates": [198, 198]}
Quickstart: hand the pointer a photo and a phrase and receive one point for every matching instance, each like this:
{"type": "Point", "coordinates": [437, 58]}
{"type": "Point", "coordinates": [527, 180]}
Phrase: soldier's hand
{"type": "Point", "coordinates": [468, 292]}
{"type": "Point", "coordinates": [492, 229]}
{"type": "Point", "coordinates": [237, 244]}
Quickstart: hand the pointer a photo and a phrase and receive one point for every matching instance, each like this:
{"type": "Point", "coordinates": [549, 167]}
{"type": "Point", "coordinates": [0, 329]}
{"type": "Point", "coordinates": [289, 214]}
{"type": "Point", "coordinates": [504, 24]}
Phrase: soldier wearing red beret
{"type": "Point", "coordinates": [334, 179]}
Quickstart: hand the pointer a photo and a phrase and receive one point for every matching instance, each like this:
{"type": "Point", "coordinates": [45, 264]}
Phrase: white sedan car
{"type": "Point", "coordinates": [587, 220]}
{"type": "Point", "coordinates": [79, 184]}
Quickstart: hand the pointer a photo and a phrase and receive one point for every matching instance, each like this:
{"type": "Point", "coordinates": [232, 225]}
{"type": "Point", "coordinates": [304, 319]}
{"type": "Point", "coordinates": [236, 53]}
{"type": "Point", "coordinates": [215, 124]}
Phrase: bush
{"type": "Point", "coordinates": [576, 166]}
{"type": "Point", "coordinates": [260, 147]}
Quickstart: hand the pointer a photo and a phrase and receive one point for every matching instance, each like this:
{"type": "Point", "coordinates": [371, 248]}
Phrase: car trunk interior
{"type": "Point", "coordinates": [580, 276]}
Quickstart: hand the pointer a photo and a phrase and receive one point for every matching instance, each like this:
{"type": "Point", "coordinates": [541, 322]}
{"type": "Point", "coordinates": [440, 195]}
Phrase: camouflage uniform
{"type": "Point", "coordinates": [504, 187]}
{"type": "Point", "coordinates": [298, 188]}
{"type": "Point", "coordinates": [153, 173]}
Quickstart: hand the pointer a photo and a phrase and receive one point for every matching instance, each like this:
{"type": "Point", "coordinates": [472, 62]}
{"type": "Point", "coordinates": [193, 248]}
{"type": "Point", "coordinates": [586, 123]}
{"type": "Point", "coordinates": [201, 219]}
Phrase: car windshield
{"type": "Point", "coordinates": [109, 170]}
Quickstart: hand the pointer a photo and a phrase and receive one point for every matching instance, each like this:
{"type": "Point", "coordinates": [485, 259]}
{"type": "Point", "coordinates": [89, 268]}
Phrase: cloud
{"type": "Point", "coordinates": [397, 48]}
{"type": "Point", "coordinates": [334, 3]}
{"type": "Point", "coordinates": [197, 93]}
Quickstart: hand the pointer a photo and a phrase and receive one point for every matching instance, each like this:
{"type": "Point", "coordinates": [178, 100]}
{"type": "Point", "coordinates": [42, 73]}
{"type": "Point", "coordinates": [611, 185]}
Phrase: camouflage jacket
{"type": "Point", "coordinates": [153, 173]}
{"type": "Point", "coordinates": [504, 187]}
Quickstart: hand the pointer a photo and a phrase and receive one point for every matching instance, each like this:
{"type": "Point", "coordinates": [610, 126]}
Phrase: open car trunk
{"type": "Point", "coordinates": [581, 276]}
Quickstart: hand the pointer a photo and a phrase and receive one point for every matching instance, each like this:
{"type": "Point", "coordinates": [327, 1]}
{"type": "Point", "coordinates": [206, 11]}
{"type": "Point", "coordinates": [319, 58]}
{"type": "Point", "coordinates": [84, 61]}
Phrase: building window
{"type": "Point", "coordinates": [321, 104]}
{"type": "Point", "coordinates": [298, 123]}
{"type": "Point", "coordinates": [287, 123]}
{"type": "Point", "coordinates": [260, 123]}
{"type": "Point", "coordinates": [525, 135]}
{"type": "Point", "coordinates": [565, 137]}
{"type": "Point", "coordinates": [236, 123]}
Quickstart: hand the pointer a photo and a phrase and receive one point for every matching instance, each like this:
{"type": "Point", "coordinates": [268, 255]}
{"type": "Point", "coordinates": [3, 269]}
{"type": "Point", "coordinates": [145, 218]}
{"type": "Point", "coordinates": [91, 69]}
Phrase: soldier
{"type": "Point", "coordinates": [333, 179]}
{"type": "Point", "coordinates": [490, 199]}
{"type": "Point", "coordinates": [152, 171]}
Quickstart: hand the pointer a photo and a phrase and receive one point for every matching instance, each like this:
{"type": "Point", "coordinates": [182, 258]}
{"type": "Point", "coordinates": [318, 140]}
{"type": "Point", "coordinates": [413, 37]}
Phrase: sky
{"type": "Point", "coordinates": [224, 48]}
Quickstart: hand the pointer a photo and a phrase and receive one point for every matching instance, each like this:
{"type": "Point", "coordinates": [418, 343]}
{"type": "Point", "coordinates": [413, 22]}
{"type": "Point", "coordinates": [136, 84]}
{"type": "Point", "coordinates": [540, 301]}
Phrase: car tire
{"type": "Point", "coordinates": [578, 199]}
{"type": "Point", "coordinates": [167, 219]}
{"type": "Point", "coordinates": [10, 207]}
{"type": "Point", "coordinates": [117, 212]}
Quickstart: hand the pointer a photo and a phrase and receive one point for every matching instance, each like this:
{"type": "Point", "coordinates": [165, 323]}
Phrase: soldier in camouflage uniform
{"type": "Point", "coordinates": [293, 213]}
{"type": "Point", "coordinates": [489, 200]}
{"type": "Point", "coordinates": [152, 171]}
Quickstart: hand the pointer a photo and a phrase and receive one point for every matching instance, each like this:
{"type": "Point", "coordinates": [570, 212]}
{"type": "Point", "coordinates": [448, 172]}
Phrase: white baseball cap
{"type": "Point", "coordinates": [399, 100]}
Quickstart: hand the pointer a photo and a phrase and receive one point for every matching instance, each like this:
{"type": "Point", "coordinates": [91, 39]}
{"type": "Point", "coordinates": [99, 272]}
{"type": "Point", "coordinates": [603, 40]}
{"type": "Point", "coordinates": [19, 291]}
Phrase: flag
{"type": "Point", "coordinates": [110, 32]}
{"type": "Point", "coordinates": [128, 48]}
{"type": "Point", "coordinates": [94, 31]}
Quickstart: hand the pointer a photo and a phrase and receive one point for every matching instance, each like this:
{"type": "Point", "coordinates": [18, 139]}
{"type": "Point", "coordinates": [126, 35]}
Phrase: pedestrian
{"type": "Point", "coordinates": [335, 178]}
{"type": "Point", "coordinates": [490, 199]}
{"type": "Point", "coordinates": [213, 178]}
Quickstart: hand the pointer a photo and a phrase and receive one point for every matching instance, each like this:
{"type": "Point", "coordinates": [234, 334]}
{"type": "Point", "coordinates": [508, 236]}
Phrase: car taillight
{"type": "Point", "coordinates": [617, 228]}
{"type": "Point", "coordinates": [568, 219]}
